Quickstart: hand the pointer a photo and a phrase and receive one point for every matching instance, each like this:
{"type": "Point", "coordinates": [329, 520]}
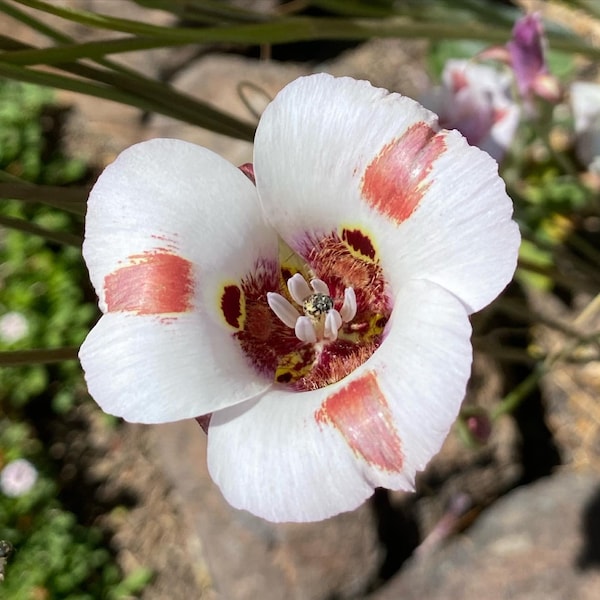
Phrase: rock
{"type": "Point", "coordinates": [396, 64]}
{"type": "Point", "coordinates": [216, 79]}
{"type": "Point", "coordinates": [539, 542]}
{"type": "Point", "coordinates": [252, 558]}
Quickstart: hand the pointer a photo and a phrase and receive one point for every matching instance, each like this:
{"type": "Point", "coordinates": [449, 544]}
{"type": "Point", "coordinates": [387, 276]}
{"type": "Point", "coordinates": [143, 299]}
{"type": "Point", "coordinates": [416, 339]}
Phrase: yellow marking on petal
{"type": "Point", "coordinates": [363, 332]}
{"type": "Point", "coordinates": [294, 365]}
{"type": "Point", "coordinates": [290, 264]}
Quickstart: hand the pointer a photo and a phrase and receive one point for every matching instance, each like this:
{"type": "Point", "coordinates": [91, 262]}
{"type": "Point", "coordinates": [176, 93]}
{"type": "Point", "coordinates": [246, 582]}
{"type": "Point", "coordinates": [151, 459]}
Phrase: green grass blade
{"type": "Point", "coordinates": [59, 237]}
{"type": "Point", "coordinates": [19, 358]}
{"type": "Point", "coordinates": [72, 200]}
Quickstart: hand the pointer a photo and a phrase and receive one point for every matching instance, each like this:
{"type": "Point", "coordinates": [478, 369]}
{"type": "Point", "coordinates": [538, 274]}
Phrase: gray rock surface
{"type": "Point", "coordinates": [539, 542]}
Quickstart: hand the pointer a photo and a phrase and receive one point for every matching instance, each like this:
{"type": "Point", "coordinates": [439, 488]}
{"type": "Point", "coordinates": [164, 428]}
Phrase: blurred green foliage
{"type": "Point", "coordinates": [39, 280]}
{"type": "Point", "coordinates": [43, 282]}
{"type": "Point", "coordinates": [55, 557]}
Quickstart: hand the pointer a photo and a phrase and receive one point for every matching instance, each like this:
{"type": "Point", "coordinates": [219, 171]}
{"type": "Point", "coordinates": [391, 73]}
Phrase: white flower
{"type": "Point", "coordinates": [476, 99]}
{"type": "Point", "coordinates": [321, 316]}
{"type": "Point", "coordinates": [17, 478]}
{"type": "Point", "coordinates": [585, 102]}
{"type": "Point", "coordinates": [13, 327]}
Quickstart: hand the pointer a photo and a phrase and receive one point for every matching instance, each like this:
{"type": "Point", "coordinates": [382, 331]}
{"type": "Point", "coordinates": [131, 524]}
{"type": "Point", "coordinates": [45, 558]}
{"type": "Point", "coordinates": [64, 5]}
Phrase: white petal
{"type": "Point", "coordinates": [425, 364]}
{"type": "Point", "coordinates": [313, 144]}
{"type": "Point", "coordinates": [290, 457]}
{"type": "Point", "coordinates": [450, 223]}
{"type": "Point", "coordinates": [273, 459]}
{"type": "Point", "coordinates": [170, 225]}
{"type": "Point", "coordinates": [175, 197]}
{"type": "Point", "coordinates": [149, 369]}
{"type": "Point", "coordinates": [462, 235]}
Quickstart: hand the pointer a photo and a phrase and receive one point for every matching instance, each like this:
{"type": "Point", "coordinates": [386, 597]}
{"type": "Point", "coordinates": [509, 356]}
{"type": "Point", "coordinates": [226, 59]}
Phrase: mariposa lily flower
{"type": "Point", "coordinates": [476, 99]}
{"type": "Point", "coordinates": [320, 315]}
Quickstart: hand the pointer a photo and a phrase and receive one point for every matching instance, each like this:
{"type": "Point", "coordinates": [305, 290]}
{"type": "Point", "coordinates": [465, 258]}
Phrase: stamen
{"type": "Point", "coordinates": [305, 330]}
{"type": "Point", "coordinates": [349, 308]}
{"type": "Point", "coordinates": [320, 320]}
{"type": "Point", "coordinates": [298, 288]}
{"type": "Point", "coordinates": [319, 286]}
{"type": "Point", "coordinates": [283, 309]}
{"type": "Point", "coordinates": [333, 322]}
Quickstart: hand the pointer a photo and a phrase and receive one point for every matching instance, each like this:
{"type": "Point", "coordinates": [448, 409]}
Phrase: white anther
{"type": "Point", "coordinates": [348, 310]}
{"type": "Point", "coordinates": [298, 288]}
{"type": "Point", "coordinates": [333, 322]}
{"type": "Point", "coordinates": [283, 309]}
{"type": "Point", "coordinates": [319, 287]}
{"type": "Point", "coordinates": [305, 330]}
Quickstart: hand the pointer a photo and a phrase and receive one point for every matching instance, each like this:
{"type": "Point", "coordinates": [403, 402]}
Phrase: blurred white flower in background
{"type": "Point", "coordinates": [13, 327]}
{"type": "Point", "coordinates": [585, 103]}
{"type": "Point", "coordinates": [17, 478]}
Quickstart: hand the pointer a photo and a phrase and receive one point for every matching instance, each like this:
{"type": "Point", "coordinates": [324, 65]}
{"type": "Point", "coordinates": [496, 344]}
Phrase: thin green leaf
{"type": "Point", "coordinates": [72, 200]}
{"type": "Point", "coordinates": [59, 237]}
{"type": "Point", "coordinates": [205, 117]}
{"type": "Point", "coordinates": [286, 31]}
{"type": "Point", "coordinates": [29, 20]}
{"type": "Point", "coordinates": [19, 358]}
{"type": "Point", "coordinates": [206, 11]}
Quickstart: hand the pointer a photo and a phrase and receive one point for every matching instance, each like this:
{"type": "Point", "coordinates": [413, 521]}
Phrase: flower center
{"type": "Point", "coordinates": [321, 321]}
{"type": "Point", "coordinates": [317, 305]}
{"type": "Point", "coordinates": [311, 332]}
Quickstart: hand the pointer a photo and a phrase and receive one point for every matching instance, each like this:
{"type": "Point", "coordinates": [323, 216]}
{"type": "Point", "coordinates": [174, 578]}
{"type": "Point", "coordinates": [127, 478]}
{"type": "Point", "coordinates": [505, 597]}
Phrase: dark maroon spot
{"type": "Point", "coordinates": [231, 305]}
{"type": "Point", "coordinates": [358, 241]}
{"type": "Point", "coordinates": [204, 421]}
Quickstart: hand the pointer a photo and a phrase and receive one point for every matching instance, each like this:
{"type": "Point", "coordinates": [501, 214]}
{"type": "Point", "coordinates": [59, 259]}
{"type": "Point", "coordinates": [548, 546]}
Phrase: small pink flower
{"type": "Point", "coordinates": [17, 478]}
{"type": "Point", "coordinates": [527, 58]}
{"type": "Point", "coordinates": [476, 100]}
{"type": "Point", "coordinates": [585, 103]}
{"type": "Point", "coordinates": [320, 315]}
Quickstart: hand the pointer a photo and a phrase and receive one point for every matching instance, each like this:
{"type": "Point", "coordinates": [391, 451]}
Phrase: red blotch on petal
{"type": "Point", "coordinates": [231, 305]}
{"type": "Point", "coordinates": [155, 283]}
{"type": "Point", "coordinates": [394, 183]}
{"type": "Point", "coordinates": [360, 412]}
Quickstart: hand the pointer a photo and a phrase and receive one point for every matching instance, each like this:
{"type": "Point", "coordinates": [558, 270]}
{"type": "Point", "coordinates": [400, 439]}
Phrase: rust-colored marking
{"type": "Point", "coordinates": [395, 181]}
{"type": "Point", "coordinates": [154, 283]}
{"type": "Point", "coordinates": [248, 170]}
{"type": "Point", "coordinates": [359, 242]}
{"type": "Point", "coordinates": [360, 412]}
{"type": "Point", "coordinates": [231, 305]}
